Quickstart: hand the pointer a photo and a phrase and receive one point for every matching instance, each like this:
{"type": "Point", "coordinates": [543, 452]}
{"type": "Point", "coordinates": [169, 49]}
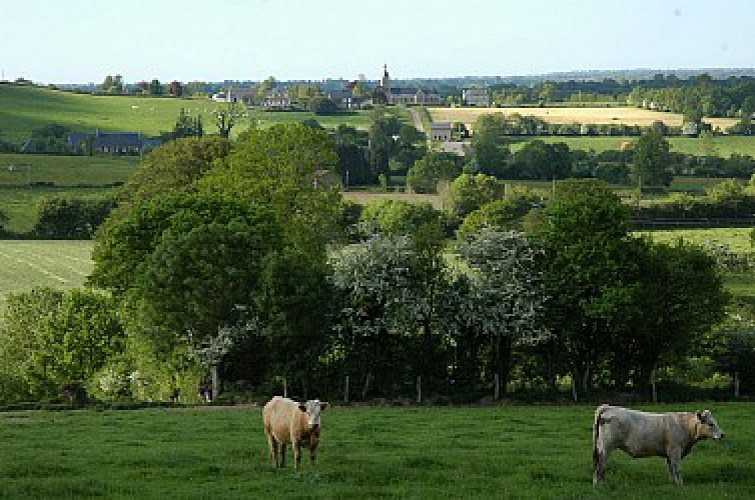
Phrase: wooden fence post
{"type": "Point", "coordinates": [736, 384]}
{"type": "Point", "coordinates": [652, 383]}
{"type": "Point", "coordinates": [285, 388]}
{"type": "Point", "coordinates": [346, 391]}
{"type": "Point", "coordinates": [215, 382]}
{"type": "Point", "coordinates": [497, 387]}
{"type": "Point", "coordinates": [419, 388]}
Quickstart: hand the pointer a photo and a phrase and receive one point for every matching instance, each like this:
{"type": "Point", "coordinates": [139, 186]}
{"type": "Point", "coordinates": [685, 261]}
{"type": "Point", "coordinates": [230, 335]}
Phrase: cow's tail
{"type": "Point", "coordinates": [596, 432]}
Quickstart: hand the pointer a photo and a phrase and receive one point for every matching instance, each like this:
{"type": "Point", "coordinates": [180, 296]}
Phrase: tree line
{"type": "Point", "coordinates": [237, 262]}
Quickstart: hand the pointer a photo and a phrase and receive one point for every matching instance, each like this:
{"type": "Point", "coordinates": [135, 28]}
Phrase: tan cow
{"type": "Point", "coordinates": [642, 434]}
{"type": "Point", "coordinates": [286, 421]}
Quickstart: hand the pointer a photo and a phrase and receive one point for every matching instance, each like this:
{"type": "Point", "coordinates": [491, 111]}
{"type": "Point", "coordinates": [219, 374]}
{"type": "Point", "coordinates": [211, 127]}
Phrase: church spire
{"type": "Point", "coordinates": [385, 81]}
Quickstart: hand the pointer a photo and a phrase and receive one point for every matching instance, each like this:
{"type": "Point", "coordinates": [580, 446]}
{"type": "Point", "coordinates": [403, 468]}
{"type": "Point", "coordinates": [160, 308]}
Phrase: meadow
{"type": "Point", "coordinates": [22, 169]}
{"type": "Point", "coordinates": [20, 203]}
{"type": "Point", "coordinates": [563, 115]}
{"type": "Point", "coordinates": [368, 452]}
{"type": "Point", "coordinates": [25, 265]}
{"type": "Point", "coordinates": [721, 145]}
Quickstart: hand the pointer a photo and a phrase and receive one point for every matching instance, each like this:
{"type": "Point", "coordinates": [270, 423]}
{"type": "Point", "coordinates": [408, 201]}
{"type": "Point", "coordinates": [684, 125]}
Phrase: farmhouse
{"type": "Point", "coordinates": [479, 98]}
{"type": "Point", "coordinates": [114, 143]}
{"type": "Point", "coordinates": [440, 131]}
{"type": "Point", "coordinates": [346, 99]}
{"type": "Point", "coordinates": [241, 95]}
{"type": "Point", "coordinates": [277, 99]}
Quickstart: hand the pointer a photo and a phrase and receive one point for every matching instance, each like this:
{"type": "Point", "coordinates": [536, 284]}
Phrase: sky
{"type": "Point", "coordinates": [78, 41]}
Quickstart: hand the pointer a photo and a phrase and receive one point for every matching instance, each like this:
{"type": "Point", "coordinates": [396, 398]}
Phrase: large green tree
{"type": "Point", "coordinates": [285, 167]}
{"type": "Point", "coordinates": [650, 161]}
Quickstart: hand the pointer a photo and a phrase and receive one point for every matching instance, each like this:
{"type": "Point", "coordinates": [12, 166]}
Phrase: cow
{"type": "Point", "coordinates": [642, 434]}
{"type": "Point", "coordinates": [286, 421]}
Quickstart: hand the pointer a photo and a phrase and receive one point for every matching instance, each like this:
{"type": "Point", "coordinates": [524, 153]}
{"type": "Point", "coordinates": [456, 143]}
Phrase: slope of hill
{"type": "Point", "coordinates": [24, 108]}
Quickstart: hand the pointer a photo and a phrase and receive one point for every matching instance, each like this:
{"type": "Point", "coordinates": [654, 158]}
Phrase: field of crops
{"type": "Point", "coordinates": [492, 452]}
{"type": "Point", "coordinates": [25, 265]}
{"type": "Point", "coordinates": [561, 115]}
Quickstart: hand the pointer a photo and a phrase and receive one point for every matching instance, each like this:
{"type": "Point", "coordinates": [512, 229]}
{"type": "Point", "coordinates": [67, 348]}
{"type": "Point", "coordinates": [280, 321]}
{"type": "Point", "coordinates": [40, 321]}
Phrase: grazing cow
{"type": "Point", "coordinates": [287, 421]}
{"type": "Point", "coordinates": [642, 434]}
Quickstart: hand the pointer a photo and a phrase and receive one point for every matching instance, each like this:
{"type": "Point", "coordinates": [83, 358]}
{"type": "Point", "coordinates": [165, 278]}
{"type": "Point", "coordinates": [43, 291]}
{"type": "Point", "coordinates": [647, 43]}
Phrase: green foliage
{"type": "Point", "coordinates": [468, 192]}
{"type": "Point", "coordinates": [281, 167]}
{"type": "Point", "coordinates": [175, 166]}
{"type": "Point", "coordinates": [489, 145]}
{"type": "Point", "coordinates": [650, 161]}
{"type": "Point", "coordinates": [123, 247]}
{"type": "Point", "coordinates": [419, 221]}
{"type": "Point", "coordinates": [71, 218]}
{"type": "Point", "coordinates": [540, 160]}
{"type": "Point", "coordinates": [501, 214]}
{"type": "Point", "coordinates": [427, 171]}
{"type": "Point", "coordinates": [54, 339]}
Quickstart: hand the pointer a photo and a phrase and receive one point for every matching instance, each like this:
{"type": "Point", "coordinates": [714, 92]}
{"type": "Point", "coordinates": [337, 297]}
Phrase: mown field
{"type": "Point", "coordinates": [25, 265]}
{"type": "Point", "coordinates": [21, 169]}
{"type": "Point", "coordinates": [563, 115]}
{"type": "Point", "coordinates": [737, 239]}
{"type": "Point", "coordinates": [491, 452]}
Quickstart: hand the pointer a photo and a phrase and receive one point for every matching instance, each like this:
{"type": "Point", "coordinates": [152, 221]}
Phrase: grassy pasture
{"type": "Point", "coordinates": [25, 265]}
{"type": "Point", "coordinates": [19, 169]}
{"type": "Point", "coordinates": [493, 452]}
{"type": "Point", "coordinates": [724, 146]}
{"type": "Point", "coordinates": [737, 239]}
{"type": "Point", "coordinates": [562, 115]}
{"type": "Point", "coordinates": [20, 203]}
{"type": "Point", "coordinates": [23, 109]}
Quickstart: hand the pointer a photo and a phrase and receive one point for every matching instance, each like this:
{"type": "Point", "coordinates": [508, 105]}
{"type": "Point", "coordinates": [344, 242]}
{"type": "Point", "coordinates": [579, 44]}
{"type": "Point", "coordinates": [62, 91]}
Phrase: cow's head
{"type": "Point", "coordinates": [708, 427]}
{"type": "Point", "coordinates": [313, 408]}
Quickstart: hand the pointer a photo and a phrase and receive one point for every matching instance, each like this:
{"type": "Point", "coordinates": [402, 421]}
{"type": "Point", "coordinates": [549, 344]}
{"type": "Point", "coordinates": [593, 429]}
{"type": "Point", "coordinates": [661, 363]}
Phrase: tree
{"type": "Point", "coordinates": [380, 143]}
{"type": "Point", "coordinates": [323, 106]}
{"type": "Point", "coordinates": [506, 298]}
{"type": "Point", "coordinates": [175, 166]}
{"type": "Point", "coordinates": [56, 340]}
{"type": "Point", "coordinates": [540, 160]}
{"type": "Point", "coordinates": [186, 126]}
{"type": "Point", "coordinates": [376, 281]}
{"type": "Point", "coordinates": [588, 271]}
{"type": "Point", "coordinates": [469, 192]}
{"type": "Point", "coordinates": [502, 214]}
{"type": "Point", "coordinates": [155, 87]}
{"type": "Point", "coordinates": [281, 167]}
{"type": "Point", "coordinates": [651, 160]}
{"type": "Point", "coordinates": [429, 170]}
{"type": "Point", "coordinates": [351, 148]}
{"type": "Point", "coordinates": [489, 145]}
{"type": "Point", "coordinates": [225, 119]}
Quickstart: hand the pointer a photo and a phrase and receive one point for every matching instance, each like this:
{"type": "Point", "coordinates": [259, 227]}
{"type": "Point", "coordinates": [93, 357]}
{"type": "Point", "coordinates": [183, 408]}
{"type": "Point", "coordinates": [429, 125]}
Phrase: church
{"type": "Point", "coordinates": [407, 95]}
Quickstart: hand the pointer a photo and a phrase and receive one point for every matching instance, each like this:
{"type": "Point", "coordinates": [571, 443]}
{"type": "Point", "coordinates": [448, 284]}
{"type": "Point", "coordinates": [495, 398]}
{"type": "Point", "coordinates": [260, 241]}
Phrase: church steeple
{"type": "Point", "coordinates": [385, 80]}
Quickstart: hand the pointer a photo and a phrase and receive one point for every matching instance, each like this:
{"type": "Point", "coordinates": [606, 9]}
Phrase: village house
{"type": "Point", "coordinates": [440, 131]}
{"type": "Point", "coordinates": [476, 97]}
{"type": "Point", "coordinates": [277, 99]}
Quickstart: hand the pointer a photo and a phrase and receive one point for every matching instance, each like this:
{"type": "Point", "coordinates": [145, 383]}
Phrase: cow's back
{"type": "Point", "coordinates": [277, 416]}
{"type": "Point", "coordinates": [639, 433]}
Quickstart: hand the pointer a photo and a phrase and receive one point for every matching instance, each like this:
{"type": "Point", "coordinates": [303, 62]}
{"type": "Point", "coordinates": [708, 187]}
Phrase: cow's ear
{"type": "Point", "coordinates": [324, 405]}
{"type": "Point", "coordinates": [700, 416]}
{"type": "Point", "coordinates": [303, 407]}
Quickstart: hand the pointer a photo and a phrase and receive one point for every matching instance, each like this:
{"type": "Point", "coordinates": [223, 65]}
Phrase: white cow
{"type": "Point", "coordinates": [642, 434]}
{"type": "Point", "coordinates": [286, 421]}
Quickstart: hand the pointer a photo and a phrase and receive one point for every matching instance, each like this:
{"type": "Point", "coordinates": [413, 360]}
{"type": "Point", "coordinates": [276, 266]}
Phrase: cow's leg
{"type": "Point", "coordinates": [312, 456]}
{"type": "Point", "coordinates": [282, 454]}
{"type": "Point", "coordinates": [675, 466]}
{"type": "Point", "coordinates": [296, 447]}
{"type": "Point", "coordinates": [600, 458]}
{"type": "Point", "coordinates": [273, 447]}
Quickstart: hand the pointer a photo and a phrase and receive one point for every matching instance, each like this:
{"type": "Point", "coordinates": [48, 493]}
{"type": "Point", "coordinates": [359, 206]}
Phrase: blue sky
{"type": "Point", "coordinates": [83, 40]}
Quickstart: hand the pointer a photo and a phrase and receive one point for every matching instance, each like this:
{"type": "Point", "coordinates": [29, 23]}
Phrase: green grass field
{"type": "Point", "coordinates": [492, 452]}
{"type": "Point", "coordinates": [724, 145]}
{"type": "Point", "coordinates": [737, 239]}
{"type": "Point", "coordinates": [24, 108]}
{"type": "Point", "coordinates": [25, 265]}
{"type": "Point", "coordinates": [20, 169]}
{"type": "Point", "coordinates": [20, 203]}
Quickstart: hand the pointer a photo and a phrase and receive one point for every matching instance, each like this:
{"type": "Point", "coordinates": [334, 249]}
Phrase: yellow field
{"type": "Point", "coordinates": [597, 116]}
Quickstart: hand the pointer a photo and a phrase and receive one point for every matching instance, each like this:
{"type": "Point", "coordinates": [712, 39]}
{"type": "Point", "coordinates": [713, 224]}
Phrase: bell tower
{"type": "Point", "coordinates": [385, 80]}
